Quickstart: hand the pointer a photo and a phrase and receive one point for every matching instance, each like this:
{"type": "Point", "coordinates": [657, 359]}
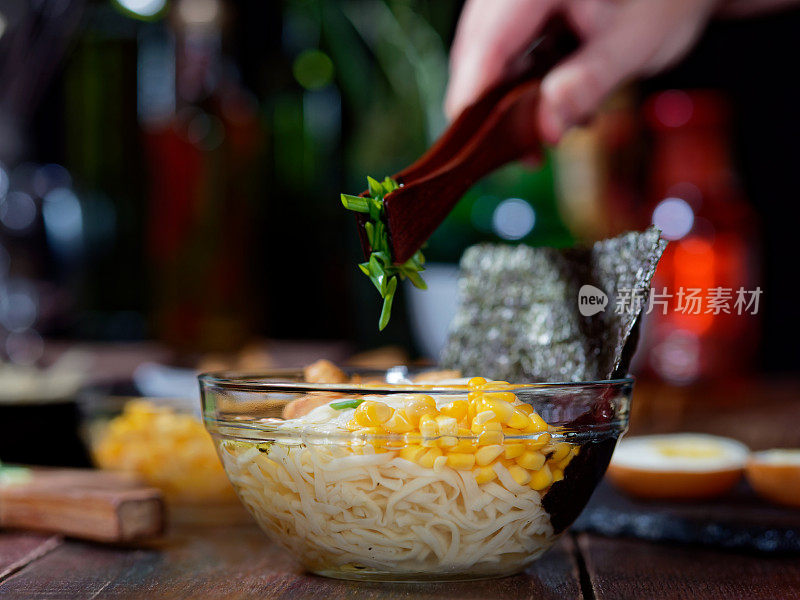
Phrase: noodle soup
{"type": "Point", "coordinates": [435, 484]}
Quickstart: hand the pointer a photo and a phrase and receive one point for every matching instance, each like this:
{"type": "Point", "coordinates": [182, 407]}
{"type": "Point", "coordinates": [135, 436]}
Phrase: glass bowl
{"type": "Point", "coordinates": [450, 502]}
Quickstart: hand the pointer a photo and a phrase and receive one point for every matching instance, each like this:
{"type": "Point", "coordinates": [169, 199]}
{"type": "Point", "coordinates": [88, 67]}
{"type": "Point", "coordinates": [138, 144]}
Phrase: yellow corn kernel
{"type": "Point", "coordinates": [448, 441]}
{"type": "Point", "coordinates": [509, 397]}
{"type": "Point", "coordinates": [484, 474]}
{"type": "Point", "coordinates": [558, 474]}
{"type": "Point", "coordinates": [513, 450]}
{"type": "Point", "coordinates": [412, 453]}
{"type": "Point", "coordinates": [465, 441]}
{"type": "Point", "coordinates": [531, 460]}
{"type": "Point", "coordinates": [561, 452]}
{"type": "Point", "coordinates": [537, 424]}
{"type": "Point", "coordinates": [539, 442]}
{"type": "Point", "coordinates": [476, 383]}
{"type": "Point", "coordinates": [526, 408]}
{"type": "Point", "coordinates": [370, 431]}
{"type": "Point", "coordinates": [483, 417]}
{"type": "Point", "coordinates": [419, 405]}
{"type": "Point", "coordinates": [430, 456]}
{"type": "Point", "coordinates": [562, 464]}
{"type": "Point", "coordinates": [446, 425]}
{"type": "Point", "coordinates": [352, 425]}
{"type": "Point", "coordinates": [428, 427]}
{"type": "Point", "coordinates": [519, 420]}
{"type": "Point", "coordinates": [541, 479]}
{"type": "Point", "coordinates": [487, 454]}
{"type": "Point", "coordinates": [460, 461]}
{"type": "Point", "coordinates": [456, 409]}
{"type": "Point", "coordinates": [471, 412]}
{"type": "Point", "coordinates": [398, 423]}
{"type": "Point", "coordinates": [520, 475]}
{"type": "Point", "coordinates": [501, 409]}
{"type": "Point", "coordinates": [373, 414]}
{"type": "Point", "coordinates": [439, 463]}
{"type": "Point", "coordinates": [489, 426]}
{"type": "Point", "coordinates": [490, 437]}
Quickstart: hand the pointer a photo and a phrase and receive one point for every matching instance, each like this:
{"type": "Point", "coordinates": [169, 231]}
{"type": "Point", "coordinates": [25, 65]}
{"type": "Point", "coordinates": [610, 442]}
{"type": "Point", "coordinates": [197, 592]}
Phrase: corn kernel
{"type": "Point", "coordinates": [561, 452]}
{"type": "Point", "coordinates": [513, 450]}
{"type": "Point", "coordinates": [476, 383]}
{"type": "Point", "coordinates": [537, 424]}
{"type": "Point", "coordinates": [526, 408]}
{"type": "Point", "coordinates": [487, 454]}
{"type": "Point", "coordinates": [483, 417]}
{"type": "Point", "coordinates": [448, 441]}
{"type": "Point", "coordinates": [439, 463]}
{"type": "Point", "coordinates": [460, 461]}
{"type": "Point", "coordinates": [509, 397]}
{"type": "Point", "coordinates": [539, 442]}
{"type": "Point", "coordinates": [465, 441]}
{"type": "Point", "coordinates": [373, 414]}
{"type": "Point", "coordinates": [519, 420]}
{"type": "Point", "coordinates": [456, 409]}
{"type": "Point", "coordinates": [520, 475]}
{"type": "Point", "coordinates": [490, 437]}
{"type": "Point", "coordinates": [446, 425]}
{"type": "Point", "coordinates": [398, 423]}
{"type": "Point", "coordinates": [501, 409]}
{"type": "Point", "coordinates": [558, 474]}
{"type": "Point", "coordinates": [541, 479]}
{"type": "Point", "coordinates": [419, 405]}
{"type": "Point", "coordinates": [428, 427]}
{"type": "Point", "coordinates": [412, 453]}
{"type": "Point", "coordinates": [531, 460]}
{"type": "Point", "coordinates": [427, 460]}
{"type": "Point", "coordinates": [484, 474]}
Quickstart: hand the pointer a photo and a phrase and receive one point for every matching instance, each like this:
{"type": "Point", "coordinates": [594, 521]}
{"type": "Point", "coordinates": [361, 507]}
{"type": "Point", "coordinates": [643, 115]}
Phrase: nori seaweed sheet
{"type": "Point", "coordinates": [518, 318]}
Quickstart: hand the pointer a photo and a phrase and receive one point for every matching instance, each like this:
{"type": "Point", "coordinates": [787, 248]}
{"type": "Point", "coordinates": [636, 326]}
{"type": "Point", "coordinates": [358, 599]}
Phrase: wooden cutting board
{"type": "Point", "coordinates": [94, 505]}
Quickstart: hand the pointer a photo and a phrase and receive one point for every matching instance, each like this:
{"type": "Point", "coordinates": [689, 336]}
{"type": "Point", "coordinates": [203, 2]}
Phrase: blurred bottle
{"type": "Point", "coordinates": [203, 140]}
{"type": "Point", "coordinates": [696, 200]}
{"type": "Point", "coordinates": [597, 171]}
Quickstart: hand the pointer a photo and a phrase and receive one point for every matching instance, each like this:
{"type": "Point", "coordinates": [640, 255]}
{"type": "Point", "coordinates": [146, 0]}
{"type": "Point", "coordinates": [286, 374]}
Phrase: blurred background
{"type": "Point", "coordinates": [170, 174]}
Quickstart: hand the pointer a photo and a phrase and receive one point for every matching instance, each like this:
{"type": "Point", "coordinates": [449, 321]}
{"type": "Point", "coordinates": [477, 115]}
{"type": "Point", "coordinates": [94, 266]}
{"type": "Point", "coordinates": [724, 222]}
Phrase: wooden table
{"type": "Point", "coordinates": [238, 561]}
{"type": "Point", "coordinates": [206, 559]}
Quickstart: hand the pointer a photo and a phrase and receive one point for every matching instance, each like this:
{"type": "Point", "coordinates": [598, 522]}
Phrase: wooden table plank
{"type": "Point", "coordinates": [239, 562]}
{"type": "Point", "coordinates": [622, 568]}
{"type": "Point", "coordinates": [17, 549]}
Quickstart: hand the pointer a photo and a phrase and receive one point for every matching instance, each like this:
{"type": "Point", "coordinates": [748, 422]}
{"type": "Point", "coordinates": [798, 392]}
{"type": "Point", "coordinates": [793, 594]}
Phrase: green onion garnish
{"type": "Point", "coordinates": [379, 268]}
{"type": "Point", "coordinates": [346, 404]}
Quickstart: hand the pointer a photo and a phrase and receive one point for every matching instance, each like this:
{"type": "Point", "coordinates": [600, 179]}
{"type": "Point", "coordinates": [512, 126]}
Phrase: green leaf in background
{"type": "Point", "coordinates": [379, 268]}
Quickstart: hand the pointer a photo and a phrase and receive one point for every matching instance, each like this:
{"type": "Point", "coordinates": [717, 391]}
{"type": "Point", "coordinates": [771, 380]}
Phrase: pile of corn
{"type": "Point", "coordinates": [471, 434]}
{"type": "Point", "coordinates": [168, 449]}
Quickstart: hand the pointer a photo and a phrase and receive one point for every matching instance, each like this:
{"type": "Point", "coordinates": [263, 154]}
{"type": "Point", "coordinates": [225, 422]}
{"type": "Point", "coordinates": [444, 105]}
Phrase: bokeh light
{"type": "Point", "coordinates": [18, 212]}
{"type": "Point", "coordinates": [513, 219]}
{"type": "Point", "coordinates": [313, 69]}
{"type": "Point", "coordinates": [142, 8]}
{"type": "Point", "coordinates": [674, 217]}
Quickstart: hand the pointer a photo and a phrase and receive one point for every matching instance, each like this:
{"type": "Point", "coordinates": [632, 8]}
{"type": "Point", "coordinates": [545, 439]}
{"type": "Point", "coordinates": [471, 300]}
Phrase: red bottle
{"type": "Point", "coordinates": [706, 324]}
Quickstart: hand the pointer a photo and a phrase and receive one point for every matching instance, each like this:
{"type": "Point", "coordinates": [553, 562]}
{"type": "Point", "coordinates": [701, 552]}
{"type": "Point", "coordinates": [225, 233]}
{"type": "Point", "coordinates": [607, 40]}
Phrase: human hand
{"type": "Point", "coordinates": [622, 39]}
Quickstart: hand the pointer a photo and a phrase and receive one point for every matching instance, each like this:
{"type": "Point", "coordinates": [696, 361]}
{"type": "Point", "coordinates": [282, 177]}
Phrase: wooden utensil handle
{"type": "Point", "coordinates": [510, 133]}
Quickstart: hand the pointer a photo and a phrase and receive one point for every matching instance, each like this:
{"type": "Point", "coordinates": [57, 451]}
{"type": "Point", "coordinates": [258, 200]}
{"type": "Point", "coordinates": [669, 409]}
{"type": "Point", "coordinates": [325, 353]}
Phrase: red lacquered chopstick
{"type": "Point", "coordinates": [498, 128]}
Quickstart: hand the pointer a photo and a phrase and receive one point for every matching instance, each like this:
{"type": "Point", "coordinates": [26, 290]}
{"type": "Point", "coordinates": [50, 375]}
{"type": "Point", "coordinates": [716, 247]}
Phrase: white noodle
{"type": "Point", "coordinates": [340, 509]}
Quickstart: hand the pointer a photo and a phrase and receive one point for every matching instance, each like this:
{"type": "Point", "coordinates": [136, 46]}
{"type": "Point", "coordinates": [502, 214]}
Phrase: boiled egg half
{"type": "Point", "coordinates": [677, 466]}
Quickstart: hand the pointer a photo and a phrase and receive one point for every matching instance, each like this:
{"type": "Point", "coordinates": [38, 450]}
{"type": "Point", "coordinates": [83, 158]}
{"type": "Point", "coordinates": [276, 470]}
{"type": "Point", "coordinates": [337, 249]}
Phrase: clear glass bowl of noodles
{"type": "Point", "coordinates": [403, 482]}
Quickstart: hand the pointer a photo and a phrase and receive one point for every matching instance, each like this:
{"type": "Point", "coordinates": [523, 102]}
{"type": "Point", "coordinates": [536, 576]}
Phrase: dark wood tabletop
{"type": "Point", "coordinates": [238, 561]}
{"type": "Point", "coordinates": [229, 557]}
